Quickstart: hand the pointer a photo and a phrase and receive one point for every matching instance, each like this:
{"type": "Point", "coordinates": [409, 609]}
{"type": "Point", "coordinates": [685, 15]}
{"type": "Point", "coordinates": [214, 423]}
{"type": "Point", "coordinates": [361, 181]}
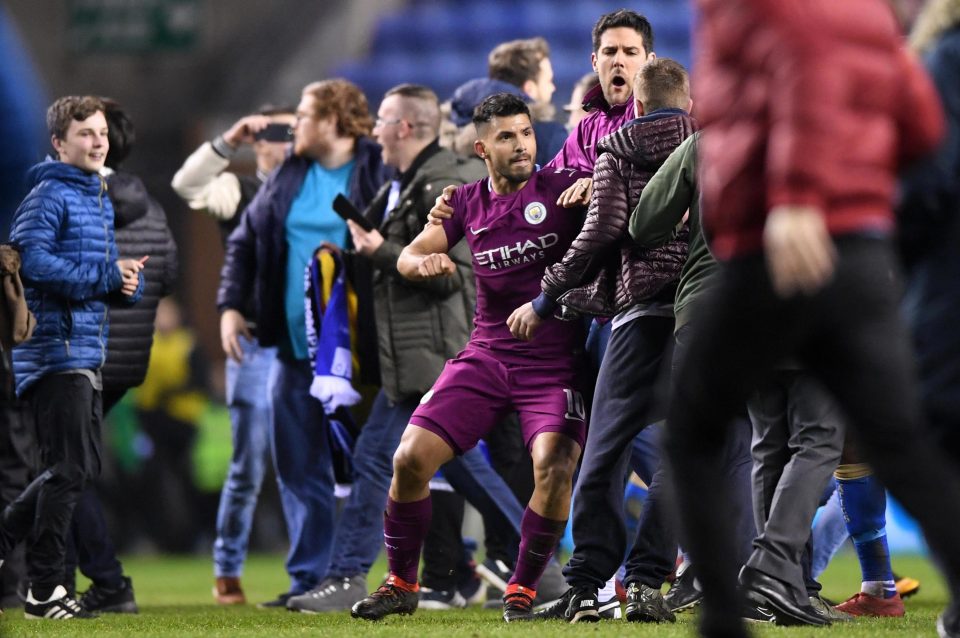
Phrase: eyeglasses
{"type": "Point", "coordinates": [379, 122]}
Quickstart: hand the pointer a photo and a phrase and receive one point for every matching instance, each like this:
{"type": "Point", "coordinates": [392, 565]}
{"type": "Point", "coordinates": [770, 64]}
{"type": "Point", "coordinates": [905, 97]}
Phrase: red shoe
{"type": "Point", "coordinates": [861, 604]}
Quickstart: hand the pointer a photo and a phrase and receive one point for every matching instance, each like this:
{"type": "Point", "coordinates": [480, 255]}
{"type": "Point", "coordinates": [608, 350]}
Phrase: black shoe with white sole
{"type": "Point", "coordinates": [584, 606]}
{"type": "Point", "coordinates": [58, 607]}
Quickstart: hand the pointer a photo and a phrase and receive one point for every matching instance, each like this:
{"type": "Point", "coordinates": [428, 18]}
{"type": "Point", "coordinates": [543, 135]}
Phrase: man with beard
{"type": "Point", "coordinates": [514, 229]}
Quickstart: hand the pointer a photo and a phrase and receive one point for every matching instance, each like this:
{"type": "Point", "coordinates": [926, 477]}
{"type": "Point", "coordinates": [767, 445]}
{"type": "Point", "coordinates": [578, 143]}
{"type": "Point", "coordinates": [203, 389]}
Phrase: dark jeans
{"type": "Point", "coordinates": [443, 547]}
{"type": "Point", "coordinates": [67, 413]}
{"type": "Point", "coordinates": [851, 337]}
{"type": "Point", "coordinates": [512, 462]}
{"type": "Point", "coordinates": [622, 407]}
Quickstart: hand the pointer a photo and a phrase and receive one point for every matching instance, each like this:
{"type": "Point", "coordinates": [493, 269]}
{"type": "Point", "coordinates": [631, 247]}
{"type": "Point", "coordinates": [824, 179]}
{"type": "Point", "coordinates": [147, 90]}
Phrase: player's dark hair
{"type": "Point", "coordinates": [624, 18]}
{"type": "Point", "coordinates": [499, 105]}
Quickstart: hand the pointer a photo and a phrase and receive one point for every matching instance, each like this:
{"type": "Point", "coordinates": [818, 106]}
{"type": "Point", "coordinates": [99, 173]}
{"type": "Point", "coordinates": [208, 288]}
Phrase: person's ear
{"type": "Point", "coordinates": [480, 150]}
{"type": "Point", "coordinates": [530, 88]}
{"type": "Point", "coordinates": [638, 102]}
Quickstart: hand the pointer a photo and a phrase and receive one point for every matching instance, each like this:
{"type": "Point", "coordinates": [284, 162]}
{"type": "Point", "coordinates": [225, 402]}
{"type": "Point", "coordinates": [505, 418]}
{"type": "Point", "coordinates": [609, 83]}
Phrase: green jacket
{"type": "Point", "coordinates": [420, 324]}
{"type": "Point", "coordinates": [671, 192]}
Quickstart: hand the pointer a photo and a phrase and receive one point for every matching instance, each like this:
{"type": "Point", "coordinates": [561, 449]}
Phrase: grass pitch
{"type": "Point", "coordinates": [175, 600]}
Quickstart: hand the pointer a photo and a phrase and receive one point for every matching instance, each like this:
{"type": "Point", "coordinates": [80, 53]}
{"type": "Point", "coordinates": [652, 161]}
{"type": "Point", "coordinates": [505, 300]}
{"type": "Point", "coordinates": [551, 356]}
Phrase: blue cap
{"type": "Point", "coordinates": [469, 94]}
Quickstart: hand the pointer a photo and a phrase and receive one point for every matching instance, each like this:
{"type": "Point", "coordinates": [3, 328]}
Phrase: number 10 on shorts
{"type": "Point", "coordinates": [576, 410]}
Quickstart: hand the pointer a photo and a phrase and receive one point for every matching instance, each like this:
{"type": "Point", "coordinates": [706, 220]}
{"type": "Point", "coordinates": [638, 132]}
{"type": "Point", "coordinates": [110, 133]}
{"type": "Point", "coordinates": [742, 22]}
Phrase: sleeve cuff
{"type": "Point", "coordinates": [544, 306]}
{"type": "Point", "coordinates": [221, 148]}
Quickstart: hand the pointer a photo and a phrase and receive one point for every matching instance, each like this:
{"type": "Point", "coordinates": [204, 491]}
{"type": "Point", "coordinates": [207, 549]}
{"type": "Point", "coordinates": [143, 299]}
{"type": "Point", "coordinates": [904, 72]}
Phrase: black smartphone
{"type": "Point", "coordinates": [345, 208]}
{"type": "Point", "coordinates": [275, 132]}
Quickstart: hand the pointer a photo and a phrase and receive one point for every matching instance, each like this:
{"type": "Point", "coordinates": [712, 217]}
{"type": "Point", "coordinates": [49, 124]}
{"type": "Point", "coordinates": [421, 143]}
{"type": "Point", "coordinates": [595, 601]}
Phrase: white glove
{"type": "Point", "coordinates": [333, 392]}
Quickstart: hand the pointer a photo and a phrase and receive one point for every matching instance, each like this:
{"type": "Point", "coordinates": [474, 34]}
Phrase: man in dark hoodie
{"type": "Point", "coordinates": [70, 270]}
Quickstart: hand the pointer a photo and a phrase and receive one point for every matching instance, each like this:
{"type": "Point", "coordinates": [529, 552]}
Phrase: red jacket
{"type": "Point", "coordinates": [810, 102]}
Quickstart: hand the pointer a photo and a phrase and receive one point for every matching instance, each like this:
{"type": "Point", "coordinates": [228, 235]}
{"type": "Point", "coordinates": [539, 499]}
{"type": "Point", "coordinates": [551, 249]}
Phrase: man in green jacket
{"type": "Point", "coordinates": [789, 407]}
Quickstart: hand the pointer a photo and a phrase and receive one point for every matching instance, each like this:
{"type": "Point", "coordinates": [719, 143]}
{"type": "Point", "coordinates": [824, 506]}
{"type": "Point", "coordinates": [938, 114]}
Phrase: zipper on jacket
{"type": "Point", "coordinates": [106, 249]}
{"type": "Point", "coordinates": [66, 342]}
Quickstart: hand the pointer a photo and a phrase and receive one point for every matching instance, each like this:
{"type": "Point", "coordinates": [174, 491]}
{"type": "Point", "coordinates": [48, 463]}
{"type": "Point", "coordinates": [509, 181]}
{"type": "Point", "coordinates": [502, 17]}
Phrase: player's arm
{"type": "Point", "coordinates": [426, 256]}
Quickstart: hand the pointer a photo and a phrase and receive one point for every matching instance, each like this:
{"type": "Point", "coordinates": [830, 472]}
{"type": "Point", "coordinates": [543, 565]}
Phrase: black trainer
{"type": "Point", "coordinates": [584, 606]}
{"type": "Point", "coordinates": [685, 592]}
{"type": "Point", "coordinates": [646, 604]}
{"type": "Point", "coordinates": [119, 600]}
{"type": "Point", "coordinates": [394, 596]}
{"type": "Point", "coordinates": [557, 610]}
{"type": "Point", "coordinates": [58, 607]}
{"type": "Point", "coordinates": [518, 604]}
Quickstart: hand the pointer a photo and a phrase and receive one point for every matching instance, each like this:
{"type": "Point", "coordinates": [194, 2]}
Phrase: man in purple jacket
{"type": "Point", "coordinates": [622, 43]}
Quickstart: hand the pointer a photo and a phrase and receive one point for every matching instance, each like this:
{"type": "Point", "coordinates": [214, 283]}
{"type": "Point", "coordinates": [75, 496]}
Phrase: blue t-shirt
{"type": "Point", "coordinates": [311, 221]}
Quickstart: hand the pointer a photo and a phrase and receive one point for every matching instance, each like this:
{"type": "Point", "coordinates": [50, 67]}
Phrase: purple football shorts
{"type": "Point", "coordinates": [476, 391]}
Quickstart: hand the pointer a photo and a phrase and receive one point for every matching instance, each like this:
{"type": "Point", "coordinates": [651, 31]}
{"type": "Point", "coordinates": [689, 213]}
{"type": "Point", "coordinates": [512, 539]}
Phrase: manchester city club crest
{"type": "Point", "coordinates": [535, 213]}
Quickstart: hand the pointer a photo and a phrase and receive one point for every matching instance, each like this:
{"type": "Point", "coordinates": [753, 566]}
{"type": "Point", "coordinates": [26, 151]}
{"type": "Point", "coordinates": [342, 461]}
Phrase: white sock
{"type": "Point", "coordinates": [609, 590]}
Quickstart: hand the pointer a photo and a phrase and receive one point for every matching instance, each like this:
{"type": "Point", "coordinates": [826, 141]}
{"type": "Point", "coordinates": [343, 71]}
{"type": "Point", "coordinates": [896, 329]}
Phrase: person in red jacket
{"type": "Point", "coordinates": [809, 110]}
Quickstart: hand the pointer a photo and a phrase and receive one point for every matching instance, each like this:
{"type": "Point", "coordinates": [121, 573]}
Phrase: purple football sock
{"type": "Point", "coordinates": [538, 540]}
{"type": "Point", "coordinates": [405, 527]}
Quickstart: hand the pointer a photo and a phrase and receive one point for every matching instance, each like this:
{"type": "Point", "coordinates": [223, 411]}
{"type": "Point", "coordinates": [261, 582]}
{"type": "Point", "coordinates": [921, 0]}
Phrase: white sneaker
{"type": "Point", "coordinates": [58, 607]}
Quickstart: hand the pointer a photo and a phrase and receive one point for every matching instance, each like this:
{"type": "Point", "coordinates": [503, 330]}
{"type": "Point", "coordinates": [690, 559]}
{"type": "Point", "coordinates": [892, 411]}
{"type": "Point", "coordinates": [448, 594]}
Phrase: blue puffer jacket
{"type": "Point", "coordinates": [65, 231]}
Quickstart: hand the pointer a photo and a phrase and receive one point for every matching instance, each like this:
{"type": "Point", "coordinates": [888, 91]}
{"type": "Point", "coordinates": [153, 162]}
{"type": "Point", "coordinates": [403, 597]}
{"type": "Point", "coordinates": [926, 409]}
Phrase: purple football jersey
{"type": "Point", "coordinates": [513, 238]}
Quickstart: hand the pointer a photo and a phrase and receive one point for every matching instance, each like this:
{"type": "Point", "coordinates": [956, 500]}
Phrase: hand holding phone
{"type": "Point", "coordinates": [274, 132]}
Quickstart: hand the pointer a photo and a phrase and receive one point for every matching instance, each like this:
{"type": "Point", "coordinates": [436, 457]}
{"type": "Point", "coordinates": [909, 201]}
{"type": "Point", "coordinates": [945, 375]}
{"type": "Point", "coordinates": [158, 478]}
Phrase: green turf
{"type": "Point", "coordinates": [174, 597]}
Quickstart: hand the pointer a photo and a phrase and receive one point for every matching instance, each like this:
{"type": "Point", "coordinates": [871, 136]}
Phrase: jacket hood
{"type": "Point", "coordinates": [60, 171]}
{"type": "Point", "coordinates": [649, 140]}
{"type": "Point", "coordinates": [129, 197]}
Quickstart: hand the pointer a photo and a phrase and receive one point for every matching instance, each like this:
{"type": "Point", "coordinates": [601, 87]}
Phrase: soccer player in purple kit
{"type": "Point", "coordinates": [514, 229]}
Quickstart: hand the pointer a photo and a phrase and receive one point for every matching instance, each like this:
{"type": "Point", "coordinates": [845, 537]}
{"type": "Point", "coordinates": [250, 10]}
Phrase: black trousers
{"type": "Point", "coordinates": [510, 459]}
{"type": "Point", "coordinates": [443, 548]}
{"type": "Point", "coordinates": [17, 457]}
{"type": "Point", "coordinates": [67, 416]}
{"type": "Point", "coordinates": [89, 545]}
{"type": "Point", "coordinates": [850, 336]}
{"type": "Point", "coordinates": [654, 551]}
{"type": "Point", "coordinates": [622, 406]}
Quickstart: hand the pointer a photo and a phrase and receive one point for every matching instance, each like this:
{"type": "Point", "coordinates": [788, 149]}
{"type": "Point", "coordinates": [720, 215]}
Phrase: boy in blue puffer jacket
{"type": "Point", "coordinates": [70, 269]}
